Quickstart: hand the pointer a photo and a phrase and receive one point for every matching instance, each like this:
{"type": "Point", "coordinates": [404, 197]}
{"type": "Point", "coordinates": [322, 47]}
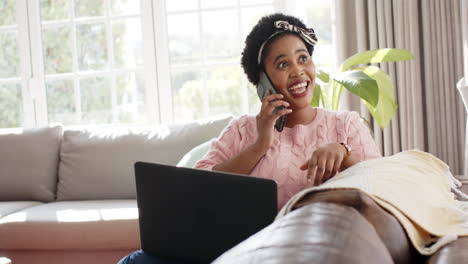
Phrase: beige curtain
{"type": "Point", "coordinates": [430, 113]}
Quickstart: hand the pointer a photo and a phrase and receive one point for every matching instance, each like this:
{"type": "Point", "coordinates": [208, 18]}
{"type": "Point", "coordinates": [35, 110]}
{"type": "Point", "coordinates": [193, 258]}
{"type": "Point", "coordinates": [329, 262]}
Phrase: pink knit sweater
{"type": "Point", "coordinates": [292, 147]}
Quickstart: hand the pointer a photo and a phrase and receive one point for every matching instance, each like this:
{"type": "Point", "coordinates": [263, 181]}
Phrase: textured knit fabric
{"type": "Point", "coordinates": [292, 147]}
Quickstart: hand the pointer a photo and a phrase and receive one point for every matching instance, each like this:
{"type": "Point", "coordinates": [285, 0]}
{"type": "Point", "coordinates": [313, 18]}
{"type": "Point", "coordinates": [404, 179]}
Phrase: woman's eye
{"type": "Point", "coordinates": [304, 58]}
{"type": "Point", "coordinates": [282, 65]}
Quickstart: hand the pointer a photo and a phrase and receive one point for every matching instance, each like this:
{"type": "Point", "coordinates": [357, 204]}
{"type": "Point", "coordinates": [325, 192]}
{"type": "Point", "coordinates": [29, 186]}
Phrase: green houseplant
{"type": "Point", "coordinates": [369, 82]}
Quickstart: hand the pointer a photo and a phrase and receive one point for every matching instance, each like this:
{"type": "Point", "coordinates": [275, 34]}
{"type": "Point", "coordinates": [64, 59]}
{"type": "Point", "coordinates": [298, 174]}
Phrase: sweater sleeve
{"type": "Point", "coordinates": [223, 148]}
{"type": "Point", "coordinates": [360, 139]}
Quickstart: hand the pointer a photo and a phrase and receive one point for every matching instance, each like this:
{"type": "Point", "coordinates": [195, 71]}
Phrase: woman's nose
{"type": "Point", "coordinates": [297, 70]}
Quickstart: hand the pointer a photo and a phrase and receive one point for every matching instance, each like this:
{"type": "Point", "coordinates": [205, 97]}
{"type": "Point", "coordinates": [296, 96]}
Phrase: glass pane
{"type": "Point", "coordinates": [318, 16]}
{"type": "Point", "coordinates": [11, 106]}
{"type": "Point", "coordinates": [250, 17]}
{"type": "Point", "coordinates": [89, 8]}
{"type": "Point", "coordinates": [254, 102]}
{"type": "Point", "coordinates": [96, 106]}
{"type": "Point", "coordinates": [128, 48]}
{"type": "Point", "coordinates": [184, 38]}
{"type": "Point", "coordinates": [9, 61]}
{"type": "Point", "coordinates": [131, 99]}
{"type": "Point", "coordinates": [92, 46]}
{"type": "Point", "coordinates": [7, 12]}
{"type": "Point", "coordinates": [224, 90]}
{"type": "Point", "coordinates": [125, 7]}
{"type": "Point", "coordinates": [54, 10]}
{"type": "Point", "coordinates": [178, 5]}
{"type": "Point", "coordinates": [61, 102]}
{"type": "Point", "coordinates": [188, 95]}
{"type": "Point", "coordinates": [57, 45]}
{"type": "Point", "coordinates": [221, 39]}
{"type": "Point", "coordinates": [217, 3]}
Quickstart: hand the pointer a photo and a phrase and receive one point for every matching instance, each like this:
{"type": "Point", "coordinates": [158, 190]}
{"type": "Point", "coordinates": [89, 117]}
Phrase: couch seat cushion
{"type": "Point", "coordinates": [106, 224]}
{"type": "Point", "coordinates": [7, 208]}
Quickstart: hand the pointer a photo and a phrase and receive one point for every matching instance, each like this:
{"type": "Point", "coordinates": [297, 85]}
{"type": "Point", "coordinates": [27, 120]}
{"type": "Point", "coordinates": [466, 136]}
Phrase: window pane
{"type": "Point", "coordinates": [125, 7]}
{"type": "Point", "coordinates": [128, 49]}
{"type": "Point", "coordinates": [11, 105]}
{"type": "Point", "coordinates": [184, 38]}
{"type": "Point", "coordinates": [9, 61]}
{"type": "Point", "coordinates": [188, 94]}
{"type": "Point", "coordinates": [221, 39]}
{"type": "Point", "coordinates": [57, 45]}
{"type": "Point", "coordinates": [178, 5]}
{"type": "Point", "coordinates": [224, 90]}
{"type": "Point", "coordinates": [131, 99]}
{"type": "Point", "coordinates": [96, 106]}
{"type": "Point", "coordinates": [61, 102]}
{"type": "Point", "coordinates": [217, 3]}
{"type": "Point", "coordinates": [54, 10]}
{"type": "Point", "coordinates": [89, 8]}
{"type": "Point", "coordinates": [250, 17]}
{"type": "Point", "coordinates": [7, 12]}
{"type": "Point", "coordinates": [92, 46]}
{"type": "Point", "coordinates": [254, 102]}
{"type": "Point", "coordinates": [318, 16]}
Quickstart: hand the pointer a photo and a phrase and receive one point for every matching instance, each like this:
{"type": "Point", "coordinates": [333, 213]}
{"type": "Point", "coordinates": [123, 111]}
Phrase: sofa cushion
{"type": "Point", "coordinates": [7, 208]}
{"type": "Point", "coordinates": [110, 224]}
{"type": "Point", "coordinates": [197, 153]}
{"type": "Point", "coordinates": [28, 163]}
{"type": "Point", "coordinates": [99, 163]}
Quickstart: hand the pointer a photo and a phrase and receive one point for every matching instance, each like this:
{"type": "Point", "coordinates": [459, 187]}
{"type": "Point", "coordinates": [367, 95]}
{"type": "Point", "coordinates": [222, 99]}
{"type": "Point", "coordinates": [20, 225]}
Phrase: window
{"type": "Point", "coordinates": [92, 54]}
{"type": "Point", "coordinates": [134, 62]}
{"type": "Point", "coordinates": [12, 74]}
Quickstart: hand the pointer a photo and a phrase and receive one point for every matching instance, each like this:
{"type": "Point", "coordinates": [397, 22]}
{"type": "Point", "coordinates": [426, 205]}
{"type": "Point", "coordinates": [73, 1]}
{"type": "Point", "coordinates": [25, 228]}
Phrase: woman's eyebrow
{"type": "Point", "coordinates": [279, 57]}
{"type": "Point", "coordinates": [301, 50]}
{"type": "Point", "coordinates": [283, 55]}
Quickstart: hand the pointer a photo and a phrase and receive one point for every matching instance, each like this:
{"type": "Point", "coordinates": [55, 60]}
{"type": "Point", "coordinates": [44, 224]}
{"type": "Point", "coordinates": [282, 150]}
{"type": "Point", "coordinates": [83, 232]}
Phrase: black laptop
{"type": "Point", "coordinates": [195, 215]}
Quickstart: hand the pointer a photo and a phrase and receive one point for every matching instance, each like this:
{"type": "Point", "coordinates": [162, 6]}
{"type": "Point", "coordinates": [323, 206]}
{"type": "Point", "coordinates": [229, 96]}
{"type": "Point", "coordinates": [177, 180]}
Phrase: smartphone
{"type": "Point", "coordinates": [264, 85]}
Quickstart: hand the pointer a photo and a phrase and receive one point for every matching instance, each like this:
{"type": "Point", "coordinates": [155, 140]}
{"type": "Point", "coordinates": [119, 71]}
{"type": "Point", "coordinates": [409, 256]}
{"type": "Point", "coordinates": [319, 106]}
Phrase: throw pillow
{"type": "Point", "coordinates": [197, 153]}
{"type": "Point", "coordinates": [28, 161]}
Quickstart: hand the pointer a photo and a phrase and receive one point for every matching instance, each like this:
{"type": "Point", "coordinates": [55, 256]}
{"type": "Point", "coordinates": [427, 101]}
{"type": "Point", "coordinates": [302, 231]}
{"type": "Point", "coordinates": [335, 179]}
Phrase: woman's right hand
{"type": "Point", "coordinates": [267, 117]}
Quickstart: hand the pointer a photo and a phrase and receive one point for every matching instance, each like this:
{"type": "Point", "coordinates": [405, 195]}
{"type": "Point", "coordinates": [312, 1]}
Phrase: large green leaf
{"type": "Point", "coordinates": [386, 107]}
{"type": "Point", "coordinates": [360, 84]}
{"type": "Point", "coordinates": [317, 95]}
{"type": "Point", "coordinates": [376, 56]}
{"type": "Point", "coordinates": [323, 75]}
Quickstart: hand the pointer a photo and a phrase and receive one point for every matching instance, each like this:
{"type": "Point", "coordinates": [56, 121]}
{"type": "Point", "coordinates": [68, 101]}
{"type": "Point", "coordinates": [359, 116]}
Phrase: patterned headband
{"type": "Point", "coordinates": [307, 34]}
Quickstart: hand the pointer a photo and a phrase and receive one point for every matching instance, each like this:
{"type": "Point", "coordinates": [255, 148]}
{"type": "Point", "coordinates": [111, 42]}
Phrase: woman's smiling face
{"type": "Point", "coordinates": [291, 69]}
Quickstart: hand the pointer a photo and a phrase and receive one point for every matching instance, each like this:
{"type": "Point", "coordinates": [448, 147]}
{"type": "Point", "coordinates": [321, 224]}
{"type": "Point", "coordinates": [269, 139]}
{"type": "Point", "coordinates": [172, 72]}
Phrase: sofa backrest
{"type": "Point", "coordinates": [28, 163]}
{"type": "Point", "coordinates": [98, 163]}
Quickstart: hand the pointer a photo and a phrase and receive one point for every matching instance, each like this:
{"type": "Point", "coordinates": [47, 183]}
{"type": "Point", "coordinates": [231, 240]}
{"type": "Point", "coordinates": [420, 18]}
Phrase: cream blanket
{"type": "Point", "coordinates": [416, 187]}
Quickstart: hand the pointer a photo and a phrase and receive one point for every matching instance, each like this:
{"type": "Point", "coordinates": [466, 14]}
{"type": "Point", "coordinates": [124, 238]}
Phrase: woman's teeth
{"type": "Point", "coordinates": [298, 88]}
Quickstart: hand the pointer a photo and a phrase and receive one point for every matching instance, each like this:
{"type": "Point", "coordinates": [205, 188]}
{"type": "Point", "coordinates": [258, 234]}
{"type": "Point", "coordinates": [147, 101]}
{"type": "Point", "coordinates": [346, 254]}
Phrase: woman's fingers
{"type": "Point", "coordinates": [337, 165]}
{"type": "Point", "coordinates": [322, 166]}
{"type": "Point", "coordinates": [329, 171]}
{"type": "Point", "coordinates": [271, 98]}
{"type": "Point", "coordinates": [320, 171]}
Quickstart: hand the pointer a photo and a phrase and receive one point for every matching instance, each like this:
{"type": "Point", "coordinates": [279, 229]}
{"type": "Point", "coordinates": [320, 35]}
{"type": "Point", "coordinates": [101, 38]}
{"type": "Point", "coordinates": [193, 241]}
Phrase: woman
{"type": "Point", "coordinates": [315, 143]}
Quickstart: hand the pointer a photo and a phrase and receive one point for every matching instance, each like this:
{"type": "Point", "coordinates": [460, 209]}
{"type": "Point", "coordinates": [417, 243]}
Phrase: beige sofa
{"type": "Point", "coordinates": [67, 195]}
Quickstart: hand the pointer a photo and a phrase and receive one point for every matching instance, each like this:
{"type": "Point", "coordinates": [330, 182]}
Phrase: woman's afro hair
{"type": "Point", "coordinates": [260, 32]}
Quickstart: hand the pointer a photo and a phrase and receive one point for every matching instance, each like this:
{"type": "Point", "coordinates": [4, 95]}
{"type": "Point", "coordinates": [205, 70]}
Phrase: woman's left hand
{"type": "Point", "coordinates": [325, 163]}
